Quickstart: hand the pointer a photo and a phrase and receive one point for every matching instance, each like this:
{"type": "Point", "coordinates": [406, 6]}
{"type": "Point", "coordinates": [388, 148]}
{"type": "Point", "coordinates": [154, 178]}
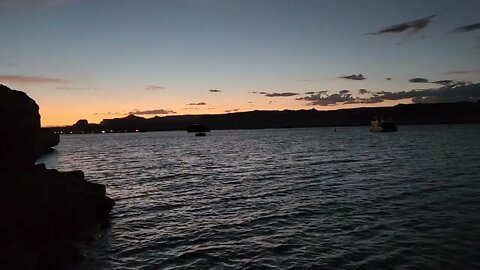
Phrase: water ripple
{"type": "Point", "coordinates": [285, 199]}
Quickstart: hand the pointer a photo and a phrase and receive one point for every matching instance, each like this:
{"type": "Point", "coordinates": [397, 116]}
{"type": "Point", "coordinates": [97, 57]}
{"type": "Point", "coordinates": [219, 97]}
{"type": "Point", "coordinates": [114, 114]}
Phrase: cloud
{"type": "Point", "coordinates": [354, 77]}
{"type": "Point", "coordinates": [467, 28]}
{"type": "Point", "coordinates": [455, 92]}
{"type": "Point", "coordinates": [309, 93]}
{"type": "Point", "coordinates": [278, 94]}
{"type": "Point", "coordinates": [151, 112]}
{"type": "Point", "coordinates": [418, 80]}
{"type": "Point", "coordinates": [108, 113]}
{"type": "Point", "coordinates": [459, 72]}
{"type": "Point", "coordinates": [305, 80]}
{"type": "Point", "coordinates": [30, 3]}
{"type": "Point", "coordinates": [323, 99]}
{"type": "Point", "coordinates": [197, 104]}
{"type": "Point", "coordinates": [441, 82]}
{"type": "Point", "coordinates": [363, 91]}
{"type": "Point", "coordinates": [444, 82]}
{"type": "Point", "coordinates": [76, 88]}
{"type": "Point", "coordinates": [233, 110]}
{"type": "Point", "coordinates": [388, 79]}
{"type": "Point", "coordinates": [154, 88]}
{"type": "Point", "coordinates": [215, 90]}
{"type": "Point", "coordinates": [284, 94]}
{"type": "Point", "coordinates": [29, 79]}
{"type": "Point", "coordinates": [323, 92]}
{"type": "Point", "coordinates": [411, 26]}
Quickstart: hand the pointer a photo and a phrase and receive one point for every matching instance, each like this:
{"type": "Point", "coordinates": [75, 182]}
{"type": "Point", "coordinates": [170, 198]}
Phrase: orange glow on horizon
{"type": "Point", "coordinates": [54, 114]}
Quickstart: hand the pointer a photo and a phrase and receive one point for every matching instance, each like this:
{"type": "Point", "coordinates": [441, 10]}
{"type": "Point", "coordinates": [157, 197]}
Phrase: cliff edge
{"type": "Point", "coordinates": [44, 212]}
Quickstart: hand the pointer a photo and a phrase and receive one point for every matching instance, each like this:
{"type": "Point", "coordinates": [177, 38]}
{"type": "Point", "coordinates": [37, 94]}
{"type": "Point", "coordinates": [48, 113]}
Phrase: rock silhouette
{"type": "Point", "coordinates": [22, 140]}
{"type": "Point", "coordinates": [43, 211]}
{"type": "Point", "coordinates": [20, 121]}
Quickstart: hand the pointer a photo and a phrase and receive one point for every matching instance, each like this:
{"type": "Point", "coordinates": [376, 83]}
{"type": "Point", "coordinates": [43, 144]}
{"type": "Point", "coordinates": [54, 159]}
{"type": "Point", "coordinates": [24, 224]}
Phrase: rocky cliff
{"type": "Point", "coordinates": [43, 211]}
{"type": "Point", "coordinates": [22, 140]}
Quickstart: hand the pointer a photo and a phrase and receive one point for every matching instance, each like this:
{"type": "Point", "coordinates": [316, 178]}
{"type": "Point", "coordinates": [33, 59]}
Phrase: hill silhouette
{"type": "Point", "coordinates": [403, 114]}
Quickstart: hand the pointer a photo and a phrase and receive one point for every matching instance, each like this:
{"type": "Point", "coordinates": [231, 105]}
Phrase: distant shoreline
{"type": "Point", "coordinates": [403, 114]}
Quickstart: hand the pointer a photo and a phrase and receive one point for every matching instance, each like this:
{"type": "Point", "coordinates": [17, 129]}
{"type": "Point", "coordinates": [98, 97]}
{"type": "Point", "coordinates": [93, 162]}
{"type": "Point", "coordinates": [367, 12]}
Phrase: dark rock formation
{"type": "Point", "coordinates": [22, 140]}
{"type": "Point", "coordinates": [19, 122]}
{"type": "Point", "coordinates": [46, 138]}
{"type": "Point", "coordinates": [82, 123]}
{"type": "Point", "coordinates": [132, 123]}
{"type": "Point", "coordinates": [18, 111]}
{"type": "Point", "coordinates": [129, 123]}
{"type": "Point", "coordinates": [81, 127]}
{"type": "Point", "coordinates": [44, 212]}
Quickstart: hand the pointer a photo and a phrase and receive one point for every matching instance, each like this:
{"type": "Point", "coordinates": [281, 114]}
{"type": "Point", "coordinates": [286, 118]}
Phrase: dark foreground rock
{"type": "Point", "coordinates": [45, 214]}
{"type": "Point", "coordinates": [22, 140]}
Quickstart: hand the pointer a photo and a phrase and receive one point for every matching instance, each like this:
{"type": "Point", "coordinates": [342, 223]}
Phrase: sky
{"type": "Point", "coordinates": [97, 59]}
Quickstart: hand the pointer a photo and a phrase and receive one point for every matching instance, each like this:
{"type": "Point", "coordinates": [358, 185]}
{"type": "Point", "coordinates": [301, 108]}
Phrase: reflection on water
{"type": "Point", "coordinates": [291, 198]}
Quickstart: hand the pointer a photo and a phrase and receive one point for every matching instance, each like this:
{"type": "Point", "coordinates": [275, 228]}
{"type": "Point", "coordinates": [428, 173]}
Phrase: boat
{"type": "Point", "coordinates": [383, 124]}
{"type": "Point", "coordinates": [198, 129]}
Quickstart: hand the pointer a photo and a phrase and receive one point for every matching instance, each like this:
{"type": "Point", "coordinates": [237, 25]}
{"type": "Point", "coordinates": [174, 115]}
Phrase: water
{"type": "Point", "coordinates": [285, 199]}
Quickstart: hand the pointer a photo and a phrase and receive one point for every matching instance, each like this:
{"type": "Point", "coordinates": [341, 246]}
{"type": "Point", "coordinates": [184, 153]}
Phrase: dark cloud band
{"type": "Point", "coordinates": [154, 88]}
{"type": "Point", "coordinates": [152, 112]}
{"type": "Point", "coordinates": [418, 80]}
{"type": "Point", "coordinates": [277, 94]}
{"type": "Point", "coordinates": [354, 77]}
{"type": "Point", "coordinates": [467, 28]}
{"type": "Point", "coordinates": [411, 26]}
{"type": "Point", "coordinates": [451, 92]}
{"type": "Point", "coordinates": [29, 79]}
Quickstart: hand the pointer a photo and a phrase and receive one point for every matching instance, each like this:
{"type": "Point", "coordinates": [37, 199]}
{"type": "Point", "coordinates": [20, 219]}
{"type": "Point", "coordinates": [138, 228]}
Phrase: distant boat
{"type": "Point", "coordinates": [198, 129]}
{"type": "Point", "coordinates": [383, 123]}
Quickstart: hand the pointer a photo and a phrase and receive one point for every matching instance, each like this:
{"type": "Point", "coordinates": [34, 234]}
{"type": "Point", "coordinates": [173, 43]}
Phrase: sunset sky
{"type": "Point", "coordinates": [96, 59]}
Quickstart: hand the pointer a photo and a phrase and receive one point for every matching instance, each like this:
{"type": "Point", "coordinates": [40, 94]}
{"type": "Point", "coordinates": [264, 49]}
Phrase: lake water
{"type": "Point", "coordinates": [285, 198]}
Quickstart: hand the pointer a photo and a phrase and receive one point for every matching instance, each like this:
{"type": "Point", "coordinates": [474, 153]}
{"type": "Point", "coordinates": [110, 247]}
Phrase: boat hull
{"type": "Point", "coordinates": [383, 127]}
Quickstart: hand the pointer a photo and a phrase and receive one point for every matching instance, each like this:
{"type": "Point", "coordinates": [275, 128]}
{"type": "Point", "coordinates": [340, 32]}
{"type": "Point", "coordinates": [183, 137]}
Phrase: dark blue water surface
{"type": "Point", "coordinates": [285, 199]}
